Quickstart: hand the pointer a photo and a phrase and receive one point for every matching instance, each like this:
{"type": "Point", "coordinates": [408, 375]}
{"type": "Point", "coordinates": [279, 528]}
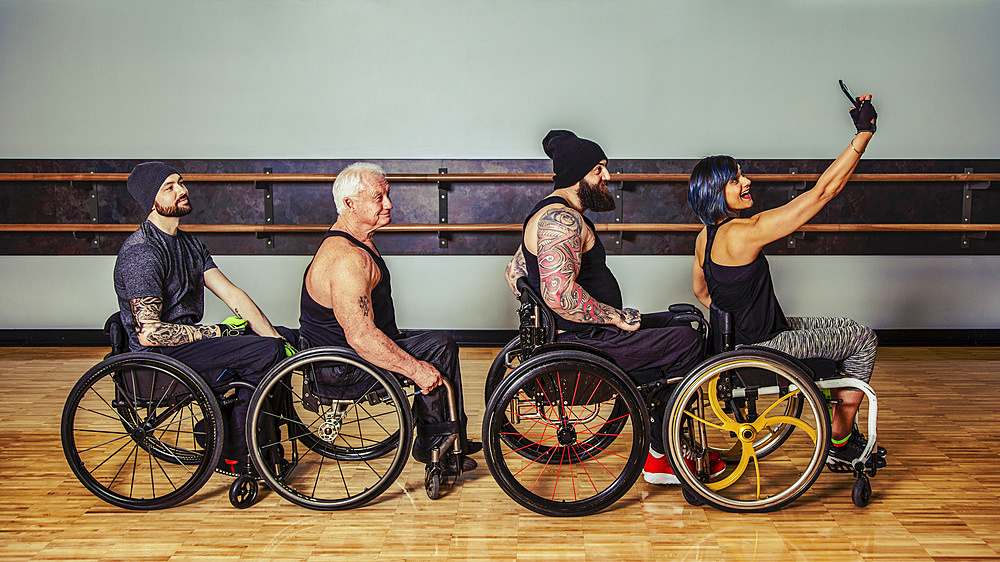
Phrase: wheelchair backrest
{"type": "Point", "coordinates": [537, 324]}
{"type": "Point", "coordinates": [138, 385]}
{"type": "Point", "coordinates": [720, 330]}
{"type": "Point", "coordinates": [115, 331]}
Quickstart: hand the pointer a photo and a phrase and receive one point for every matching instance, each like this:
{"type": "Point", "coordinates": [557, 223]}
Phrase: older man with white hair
{"type": "Point", "coordinates": [347, 301]}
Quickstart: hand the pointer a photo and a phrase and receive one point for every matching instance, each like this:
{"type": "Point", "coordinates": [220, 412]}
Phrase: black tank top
{"type": "Point", "coordinates": [594, 277]}
{"type": "Point", "coordinates": [319, 325]}
{"type": "Point", "coordinates": [745, 292]}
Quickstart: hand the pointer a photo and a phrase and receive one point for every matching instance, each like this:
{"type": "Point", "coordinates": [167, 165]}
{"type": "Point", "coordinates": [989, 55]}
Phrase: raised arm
{"type": "Point", "coordinates": [774, 224]}
{"type": "Point", "coordinates": [560, 248]}
{"type": "Point", "coordinates": [239, 302]}
{"type": "Point", "coordinates": [515, 269]}
{"type": "Point", "coordinates": [348, 278]}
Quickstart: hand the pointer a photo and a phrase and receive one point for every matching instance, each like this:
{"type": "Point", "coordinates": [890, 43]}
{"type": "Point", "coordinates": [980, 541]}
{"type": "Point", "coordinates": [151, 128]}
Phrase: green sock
{"type": "Point", "coordinates": [840, 442]}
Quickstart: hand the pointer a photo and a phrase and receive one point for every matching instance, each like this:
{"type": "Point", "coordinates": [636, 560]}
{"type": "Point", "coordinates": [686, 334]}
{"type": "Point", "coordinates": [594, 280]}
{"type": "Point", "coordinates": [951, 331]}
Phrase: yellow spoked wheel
{"type": "Point", "coordinates": [761, 415]}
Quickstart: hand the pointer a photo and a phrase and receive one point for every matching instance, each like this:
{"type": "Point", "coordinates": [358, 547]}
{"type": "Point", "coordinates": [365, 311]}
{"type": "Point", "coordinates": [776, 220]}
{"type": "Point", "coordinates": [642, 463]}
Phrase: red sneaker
{"type": "Point", "coordinates": [658, 471]}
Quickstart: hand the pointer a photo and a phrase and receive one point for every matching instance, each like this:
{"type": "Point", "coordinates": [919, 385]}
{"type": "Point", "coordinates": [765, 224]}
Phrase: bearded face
{"type": "Point", "coordinates": [596, 196]}
{"type": "Point", "coordinates": [179, 209]}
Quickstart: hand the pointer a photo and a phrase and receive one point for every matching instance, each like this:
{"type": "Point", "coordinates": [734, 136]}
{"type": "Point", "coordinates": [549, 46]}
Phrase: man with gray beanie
{"type": "Point", "coordinates": [160, 279]}
{"type": "Point", "coordinates": [564, 260]}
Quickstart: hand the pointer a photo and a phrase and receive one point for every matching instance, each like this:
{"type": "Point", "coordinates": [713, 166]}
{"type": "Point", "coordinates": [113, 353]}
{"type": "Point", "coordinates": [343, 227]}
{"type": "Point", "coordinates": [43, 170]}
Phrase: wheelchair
{"type": "Point", "coordinates": [143, 431]}
{"type": "Point", "coordinates": [332, 431]}
{"type": "Point", "coordinates": [565, 431]}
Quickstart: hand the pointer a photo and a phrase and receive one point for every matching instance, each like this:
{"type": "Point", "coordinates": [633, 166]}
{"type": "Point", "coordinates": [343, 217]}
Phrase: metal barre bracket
{"type": "Point", "coordinates": [268, 189]}
{"type": "Point", "coordinates": [443, 189]}
{"type": "Point", "coordinates": [794, 191]}
{"type": "Point", "coordinates": [967, 208]}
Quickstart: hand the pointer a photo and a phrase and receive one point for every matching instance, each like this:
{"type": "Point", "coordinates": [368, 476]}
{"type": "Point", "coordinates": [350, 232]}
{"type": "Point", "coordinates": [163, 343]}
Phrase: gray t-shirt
{"type": "Point", "coordinates": [152, 263]}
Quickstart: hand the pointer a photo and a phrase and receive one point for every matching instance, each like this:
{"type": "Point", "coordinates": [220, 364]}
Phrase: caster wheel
{"type": "Point", "coordinates": [432, 482]}
{"type": "Point", "coordinates": [691, 497]}
{"type": "Point", "coordinates": [862, 492]}
{"type": "Point", "coordinates": [243, 492]}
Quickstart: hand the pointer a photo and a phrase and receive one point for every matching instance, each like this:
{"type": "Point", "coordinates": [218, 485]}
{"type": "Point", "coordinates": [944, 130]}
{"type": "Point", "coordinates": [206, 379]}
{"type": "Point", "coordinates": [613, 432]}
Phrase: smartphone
{"type": "Point", "coordinates": [850, 96]}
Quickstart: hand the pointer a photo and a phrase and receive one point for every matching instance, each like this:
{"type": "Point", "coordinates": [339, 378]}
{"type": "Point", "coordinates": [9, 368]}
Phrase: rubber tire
{"type": "Point", "coordinates": [243, 492]}
{"type": "Point", "coordinates": [388, 382]}
{"type": "Point", "coordinates": [201, 393]}
{"type": "Point", "coordinates": [432, 482]}
{"type": "Point", "coordinates": [495, 419]}
{"type": "Point", "coordinates": [861, 493]}
{"type": "Point", "coordinates": [812, 396]}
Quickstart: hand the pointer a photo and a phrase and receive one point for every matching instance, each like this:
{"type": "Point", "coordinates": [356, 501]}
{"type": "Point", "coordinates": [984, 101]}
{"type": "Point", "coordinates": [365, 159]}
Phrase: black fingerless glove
{"type": "Point", "coordinates": [864, 117]}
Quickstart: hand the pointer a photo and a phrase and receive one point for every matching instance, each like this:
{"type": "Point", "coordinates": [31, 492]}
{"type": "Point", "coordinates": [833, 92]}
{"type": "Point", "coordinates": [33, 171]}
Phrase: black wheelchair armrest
{"type": "Point", "coordinates": [686, 317]}
{"type": "Point", "coordinates": [684, 308]}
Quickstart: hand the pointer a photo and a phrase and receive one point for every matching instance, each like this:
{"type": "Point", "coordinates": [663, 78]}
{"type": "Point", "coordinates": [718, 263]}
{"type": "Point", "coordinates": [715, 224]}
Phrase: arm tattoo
{"type": "Point", "coordinates": [515, 269]}
{"type": "Point", "coordinates": [146, 311]}
{"type": "Point", "coordinates": [363, 303]}
{"type": "Point", "coordinates": [560, 250]}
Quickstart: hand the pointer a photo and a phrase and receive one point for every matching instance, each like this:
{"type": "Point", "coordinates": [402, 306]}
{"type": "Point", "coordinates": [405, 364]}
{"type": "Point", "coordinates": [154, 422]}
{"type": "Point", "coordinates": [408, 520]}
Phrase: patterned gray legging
{"type": "Point", "coordinates": [845, 341]}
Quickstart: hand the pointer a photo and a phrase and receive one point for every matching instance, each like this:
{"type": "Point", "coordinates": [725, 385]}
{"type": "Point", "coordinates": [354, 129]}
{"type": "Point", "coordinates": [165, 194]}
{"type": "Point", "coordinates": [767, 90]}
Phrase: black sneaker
{"type": "Point", "coordinates": [852, 450]}
{"type": "Point", "coordinates": [846, 453]}
{"type": "Point", "coordinates": [878, 451]}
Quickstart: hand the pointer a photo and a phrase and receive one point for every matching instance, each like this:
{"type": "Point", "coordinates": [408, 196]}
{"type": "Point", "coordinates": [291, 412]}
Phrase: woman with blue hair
{"type": "Point", "coordinates": [731, 272]}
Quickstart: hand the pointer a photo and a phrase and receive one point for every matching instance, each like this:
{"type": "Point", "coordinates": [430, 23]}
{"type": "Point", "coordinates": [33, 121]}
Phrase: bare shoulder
{"type": "Point", "coordinates": [340, 261]}
{"type": "Point", "coordinates": [559, 215]}
{"type": "Point", "coordinates": [735, 243]}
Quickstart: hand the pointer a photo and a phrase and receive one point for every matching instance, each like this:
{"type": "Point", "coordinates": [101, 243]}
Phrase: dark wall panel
{"type": "Point", "coordinates": [311, 203]}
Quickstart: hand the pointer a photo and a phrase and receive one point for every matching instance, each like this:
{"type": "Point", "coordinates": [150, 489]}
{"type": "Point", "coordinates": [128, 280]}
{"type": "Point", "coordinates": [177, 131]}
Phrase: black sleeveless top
{"type": "Point", "coordinates": [594, 277]}
{"type": "Point", "coordinates": [745, 292]}
{"type": "Point", "coordinates": [319, 325]}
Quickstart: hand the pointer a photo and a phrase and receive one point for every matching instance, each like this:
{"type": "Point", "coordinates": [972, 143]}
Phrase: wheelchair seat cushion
{"type": "Point", "coordinates": [336, 381]}
{"type": "Point", "coordinates": [822, 368]}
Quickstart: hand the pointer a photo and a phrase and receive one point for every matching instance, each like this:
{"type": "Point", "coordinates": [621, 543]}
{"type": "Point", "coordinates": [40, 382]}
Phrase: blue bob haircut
{"type": "Point", "coordinates": [707, 188]}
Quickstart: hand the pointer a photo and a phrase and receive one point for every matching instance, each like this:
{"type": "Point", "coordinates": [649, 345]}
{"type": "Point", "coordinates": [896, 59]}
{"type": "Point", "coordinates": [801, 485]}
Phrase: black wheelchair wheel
{"type": "Point", "coordinates": [861, 493]}
{"type": "Point", "coordinates": [599, 438]}
{"type": "Point", "coordinates": [561, 406]}
{"type": "Point", "coordinates": [142, 431]}
{"type": "Point", "coordinates": [432, 481]}
{"type": "Point", "coordinates": [697, 421]}
{"type": "Point", "coordinates": [329, 451]}
{"type": "Point", "coordinates": [243, 492]}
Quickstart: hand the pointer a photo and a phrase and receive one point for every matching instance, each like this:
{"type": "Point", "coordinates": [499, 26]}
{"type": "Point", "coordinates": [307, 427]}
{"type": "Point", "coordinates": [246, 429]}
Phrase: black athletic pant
{"type": "Point", "coordinates": [659, 344]}
{"type": "Point", "coordinates": [220, 360]}
{"type": "Point", "coordinates": [431, 410]}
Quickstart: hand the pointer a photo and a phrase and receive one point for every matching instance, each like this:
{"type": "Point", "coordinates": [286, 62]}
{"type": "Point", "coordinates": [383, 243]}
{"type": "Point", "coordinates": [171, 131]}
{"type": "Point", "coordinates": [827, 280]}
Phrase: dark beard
{"type": "Point", "coordinates": [175, 211]}
{"type": "Point", "coordinates": [593, 197]}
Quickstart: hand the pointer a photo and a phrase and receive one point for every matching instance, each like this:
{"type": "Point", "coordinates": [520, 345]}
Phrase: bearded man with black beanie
{"type": "Point", "coordinates": [160, 278]}
{"type": "Point", "coordinates": [564, 260]}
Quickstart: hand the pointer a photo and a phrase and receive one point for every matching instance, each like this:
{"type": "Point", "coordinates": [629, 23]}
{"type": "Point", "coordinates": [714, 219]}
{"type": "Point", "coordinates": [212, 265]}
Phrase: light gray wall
{"type": "Point", "coordinates": [487, 79]}
{"type": "Point", "coordinates": [468, 292]}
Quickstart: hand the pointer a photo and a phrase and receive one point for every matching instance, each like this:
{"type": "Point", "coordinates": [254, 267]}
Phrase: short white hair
{"type": "Point", "coordinates": [351, 179]}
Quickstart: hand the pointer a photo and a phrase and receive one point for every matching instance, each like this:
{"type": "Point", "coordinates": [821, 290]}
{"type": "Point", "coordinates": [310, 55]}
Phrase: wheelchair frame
{"type": "Point", "coordinates": [795, 394]}
{"type": "Point", "coordinates": [143, 431]}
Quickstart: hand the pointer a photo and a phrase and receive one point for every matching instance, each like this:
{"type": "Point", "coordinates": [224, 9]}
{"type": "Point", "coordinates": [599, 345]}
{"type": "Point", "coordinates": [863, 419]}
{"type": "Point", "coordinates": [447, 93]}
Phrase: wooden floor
{"type": "Point", "coordinates": [938, 499]}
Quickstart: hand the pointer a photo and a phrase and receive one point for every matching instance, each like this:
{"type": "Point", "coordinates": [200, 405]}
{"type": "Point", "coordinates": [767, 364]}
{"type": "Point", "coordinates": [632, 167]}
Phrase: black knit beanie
{"type": "Point", "coordinates": [145, 180]}
{"type": "Point", "coordinates": [572, 157]}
